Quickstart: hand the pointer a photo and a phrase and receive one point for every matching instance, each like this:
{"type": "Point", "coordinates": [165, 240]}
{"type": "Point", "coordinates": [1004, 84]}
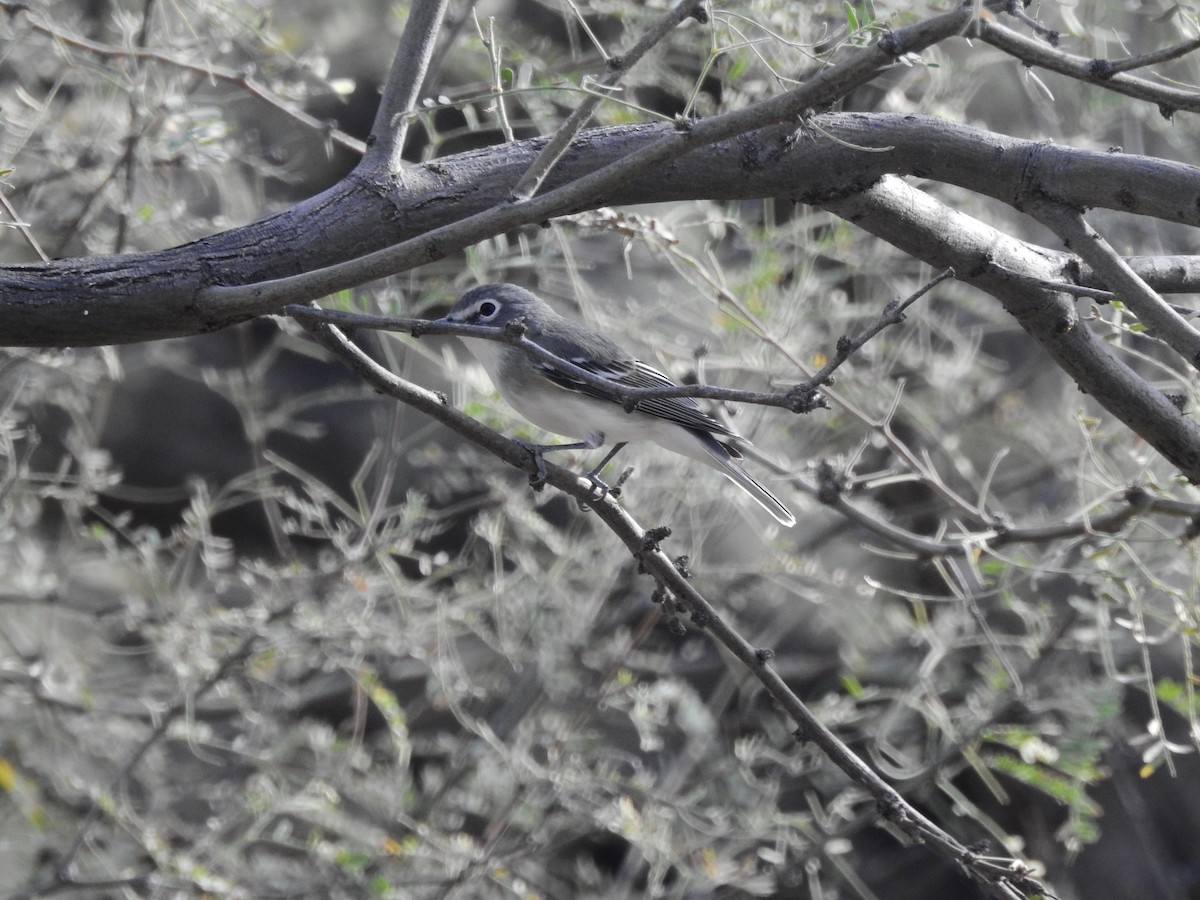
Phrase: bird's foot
{"type": "Point", "coordinates": [537, 480]}
{"type": "Point", "coordinates": [600, 490]}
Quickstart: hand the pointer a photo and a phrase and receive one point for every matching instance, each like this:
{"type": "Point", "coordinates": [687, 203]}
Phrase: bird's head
{"type": "Point", "coordinates": [497, 305]}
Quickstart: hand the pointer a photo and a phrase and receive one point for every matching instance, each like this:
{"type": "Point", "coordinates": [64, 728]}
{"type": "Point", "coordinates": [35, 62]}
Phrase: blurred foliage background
{"type": "Point", "coordinates": [266, 633]}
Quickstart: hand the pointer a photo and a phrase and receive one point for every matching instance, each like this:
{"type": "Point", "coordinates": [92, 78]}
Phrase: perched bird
{"type": "Point", "coordinates": [569, 406]}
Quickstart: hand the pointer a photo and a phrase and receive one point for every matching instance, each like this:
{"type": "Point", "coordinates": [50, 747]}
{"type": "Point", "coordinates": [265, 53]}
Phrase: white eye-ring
{"type": "Point", "coordinates": [488, 309]}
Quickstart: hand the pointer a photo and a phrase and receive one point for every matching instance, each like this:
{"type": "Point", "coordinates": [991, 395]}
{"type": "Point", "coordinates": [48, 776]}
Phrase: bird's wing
{"type": "Point", "coordinates": [627, 372]}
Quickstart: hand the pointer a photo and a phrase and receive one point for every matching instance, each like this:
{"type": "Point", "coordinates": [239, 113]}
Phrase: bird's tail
{"type": "Point", "coordinates": [722, 458]}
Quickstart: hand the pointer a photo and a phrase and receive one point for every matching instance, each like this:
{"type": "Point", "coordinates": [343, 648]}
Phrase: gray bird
{"type": "Point", "coordinates": [571, 407]}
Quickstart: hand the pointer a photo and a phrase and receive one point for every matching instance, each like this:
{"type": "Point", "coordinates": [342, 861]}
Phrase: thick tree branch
{"type": "Point", "coordinates": [140, 297]}
{"type": "Point", "coordinates": [150, 296]}
{"type": "Point", "coordinates": [918, 224]}
{"type": "Point", "coordinates": [1164, 322]}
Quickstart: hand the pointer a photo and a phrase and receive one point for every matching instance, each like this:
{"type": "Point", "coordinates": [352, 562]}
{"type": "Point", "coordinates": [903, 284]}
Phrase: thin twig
{"type": "Point", "coordinates": [61, 878]}
{"type": "Point", "coordinates": [1034, 53]}
{"type": "Point", "coordinates": [618, 67]}
{"type": "Point", "coordinates": [1106, 68]}
{"type": "Point", "coordinates": [1078, 290]}
{"type": "Point", "coordinates": [493, 48]}
{"type": "Point", "coordinates": [880, 424]}
{"type": "Point", "coordinates": [236, 77]}
{"type": "Point", "coordinates": [1049, 284]}
{"type": "Point", "coordinates": [23, 228]}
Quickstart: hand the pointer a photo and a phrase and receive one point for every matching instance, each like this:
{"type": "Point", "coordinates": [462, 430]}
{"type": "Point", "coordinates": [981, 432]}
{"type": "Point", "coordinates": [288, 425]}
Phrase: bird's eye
{"type": "Point", "coordinates": [488, 309]}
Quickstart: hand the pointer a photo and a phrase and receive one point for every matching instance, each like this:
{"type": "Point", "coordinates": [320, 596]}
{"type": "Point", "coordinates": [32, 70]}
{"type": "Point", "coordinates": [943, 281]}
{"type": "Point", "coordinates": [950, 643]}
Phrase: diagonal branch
{"type": "Point", "coordinates": [1097, 72]}
{"type": "Point", "coordinates": [618, 67]}
{"type": "Point", "coordinates": [403, 87]}
{"type": "Point", "coordinates": [1164, 322]}
{"type": "Point", "coordinates": [1008, 881]}
{"type": "Point", "coordinates": [941, 236]}
{"type": "Point", "coordinates": [1108, 67]}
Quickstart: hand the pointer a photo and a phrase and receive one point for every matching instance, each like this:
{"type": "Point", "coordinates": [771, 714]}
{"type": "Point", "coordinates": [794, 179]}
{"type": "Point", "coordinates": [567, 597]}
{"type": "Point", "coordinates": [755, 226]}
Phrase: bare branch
{"type": "Point", "coordinates": [644, 546]}
{"type": "Point", "coordinates": [1035, 53]}
{"type": "Point", "coordinates": [1001, 881]}
{"type": "Point", "coordinates": [23, 228]}
{"type": "Point", "coordinates": [824, 86]}
{"type": "Point", "coordinates": [1150, 308]}
{"type": "Point", "coordinates": [403, 87]}
{"type": "Point", "coordinates": [493, 49]}
{"type": "Point", "coordinates": [618, 68]}
{"type": "Point", "coordinates": [1135, 503]}
{"type": "Point", "coordinates": [909, 219]}
{"type": "Point", "coordinates": [1107, 67]}
{"type": "Point", "coordinates": [152, 295]}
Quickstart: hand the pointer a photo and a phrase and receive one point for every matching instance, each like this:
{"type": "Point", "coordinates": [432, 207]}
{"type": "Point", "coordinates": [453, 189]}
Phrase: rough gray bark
{"type": "Point", "coordinates": [150, 296]}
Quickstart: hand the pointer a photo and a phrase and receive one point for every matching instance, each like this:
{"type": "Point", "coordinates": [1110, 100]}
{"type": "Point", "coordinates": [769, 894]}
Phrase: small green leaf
{"type": "Point", "coordinates": [851, 17]}
{"type": "Point", "coordinates": [853, 686]}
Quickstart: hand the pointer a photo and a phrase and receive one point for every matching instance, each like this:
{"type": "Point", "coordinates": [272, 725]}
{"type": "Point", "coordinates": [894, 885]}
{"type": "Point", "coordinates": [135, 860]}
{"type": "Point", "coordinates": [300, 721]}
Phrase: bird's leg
{"type": "Point", "coordinates": [601, 489]}
{"type": "Point", "coordinates": [538, 451]}
{"type": "Point", "coordinates": [617, 448]}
